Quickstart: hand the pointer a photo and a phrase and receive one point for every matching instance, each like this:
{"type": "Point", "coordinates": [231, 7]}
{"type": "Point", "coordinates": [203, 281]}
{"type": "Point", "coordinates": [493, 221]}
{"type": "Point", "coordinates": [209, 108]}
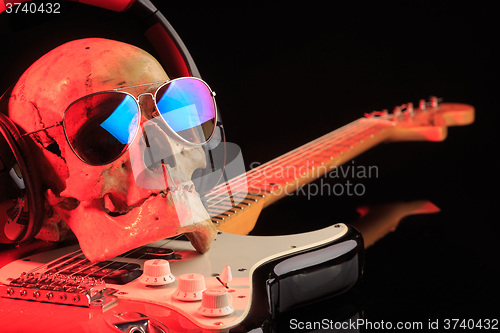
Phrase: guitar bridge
{"type": "Point", "coordinates": [56, 288]}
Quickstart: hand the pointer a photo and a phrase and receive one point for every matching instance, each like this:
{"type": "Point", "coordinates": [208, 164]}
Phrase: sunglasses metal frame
{"type": "Point", "coordinates": [136, 99]}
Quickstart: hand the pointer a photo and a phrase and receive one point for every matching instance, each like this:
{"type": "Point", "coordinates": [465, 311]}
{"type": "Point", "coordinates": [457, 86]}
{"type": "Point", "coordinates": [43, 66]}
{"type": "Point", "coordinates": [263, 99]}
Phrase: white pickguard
{"type": "Point", "coordinates": [242, 253]}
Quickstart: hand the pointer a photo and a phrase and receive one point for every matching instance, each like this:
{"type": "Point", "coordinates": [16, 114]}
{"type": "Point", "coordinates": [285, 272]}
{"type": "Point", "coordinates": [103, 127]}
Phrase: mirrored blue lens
{"type": "Point", "coordinates": [188, 107]}
{"type": "Point", "coordinates": [99, 127]}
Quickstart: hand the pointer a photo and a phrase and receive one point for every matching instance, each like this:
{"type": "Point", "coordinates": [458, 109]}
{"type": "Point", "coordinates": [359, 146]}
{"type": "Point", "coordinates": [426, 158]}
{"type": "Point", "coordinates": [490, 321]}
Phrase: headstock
{"type": "Point", "coordinates": [428, 122]}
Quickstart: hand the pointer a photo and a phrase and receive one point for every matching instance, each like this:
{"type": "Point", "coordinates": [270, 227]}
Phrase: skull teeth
{"type": "Point", "coordinates": [182, 187]}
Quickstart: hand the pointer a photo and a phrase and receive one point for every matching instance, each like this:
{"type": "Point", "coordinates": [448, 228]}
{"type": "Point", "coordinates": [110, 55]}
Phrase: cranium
{"type": "Point", "coordinates": [103, 205]}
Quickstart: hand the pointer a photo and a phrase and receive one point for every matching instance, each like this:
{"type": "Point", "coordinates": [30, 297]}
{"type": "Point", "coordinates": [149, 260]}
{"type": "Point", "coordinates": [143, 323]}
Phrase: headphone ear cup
{"type": "Point", "coordinates": [21, 198]}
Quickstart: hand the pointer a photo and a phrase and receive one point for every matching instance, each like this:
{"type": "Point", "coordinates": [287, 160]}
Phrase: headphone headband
{"type": "Point", "coordinates": [172, 52]}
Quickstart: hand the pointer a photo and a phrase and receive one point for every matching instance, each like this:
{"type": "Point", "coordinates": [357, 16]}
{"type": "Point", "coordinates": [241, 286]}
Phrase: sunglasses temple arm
{"type": "Point", "coordinates": [42, 129]}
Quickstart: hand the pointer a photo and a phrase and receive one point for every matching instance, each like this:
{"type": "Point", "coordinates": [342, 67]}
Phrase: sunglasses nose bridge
{"type": "Point", "coordinates": [147, 105]}
{"type": "Point", "coordinates": [146, 94]}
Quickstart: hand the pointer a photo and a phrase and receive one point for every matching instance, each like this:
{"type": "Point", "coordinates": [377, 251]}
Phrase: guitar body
{"type": "Point", "coordinates": [59, 290]}
{"type": "Point", "coordinates": [281, 273]}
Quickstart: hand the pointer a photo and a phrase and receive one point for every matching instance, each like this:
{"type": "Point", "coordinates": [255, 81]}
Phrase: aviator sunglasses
{"type": "Point", "coordinates": [101, 126]}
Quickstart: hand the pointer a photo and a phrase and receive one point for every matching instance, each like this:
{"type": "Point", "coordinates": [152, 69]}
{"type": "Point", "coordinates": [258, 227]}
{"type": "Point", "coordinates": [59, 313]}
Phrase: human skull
{"type": "Point", "coordinates": [108, 210]}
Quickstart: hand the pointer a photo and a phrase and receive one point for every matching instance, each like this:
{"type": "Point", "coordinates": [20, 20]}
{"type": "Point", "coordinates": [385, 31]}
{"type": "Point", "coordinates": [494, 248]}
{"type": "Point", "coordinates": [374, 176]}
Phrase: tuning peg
{"type": "Point", "coordinates": [434, 101]}
{"type": "Point", "coordinates": [409, 109]}
{"type": "Point", "coordinates": [422, 105]}
{"type": "Point", "coordinates": [397, 111]}
{"type": "Point", "coordinates": [381, 114]}
{"type": "Point", "coordinates": [372, 114]}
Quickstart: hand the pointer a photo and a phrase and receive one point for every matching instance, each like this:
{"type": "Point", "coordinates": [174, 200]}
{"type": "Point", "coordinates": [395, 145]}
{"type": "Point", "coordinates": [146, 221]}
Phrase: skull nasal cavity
{"type": "Point", "coordinates": [157, 147]}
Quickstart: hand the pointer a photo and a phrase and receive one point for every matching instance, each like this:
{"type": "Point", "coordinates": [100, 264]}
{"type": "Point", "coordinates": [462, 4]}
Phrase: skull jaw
{"type": "Point", "coordinates": [102, 236]}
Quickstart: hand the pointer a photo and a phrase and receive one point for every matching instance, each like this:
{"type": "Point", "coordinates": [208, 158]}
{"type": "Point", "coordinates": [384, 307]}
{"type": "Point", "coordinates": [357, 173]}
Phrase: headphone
{"type": "Point", "coordinates": [21, 196]}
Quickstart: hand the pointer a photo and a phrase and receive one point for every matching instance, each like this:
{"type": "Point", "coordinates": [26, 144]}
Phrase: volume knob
{"type": "Point", "coordinates": [190, 287]}
{"type": "Point", "coordinates": [215, 303]}
{"type": "Point", "coordinates": [156, 273]}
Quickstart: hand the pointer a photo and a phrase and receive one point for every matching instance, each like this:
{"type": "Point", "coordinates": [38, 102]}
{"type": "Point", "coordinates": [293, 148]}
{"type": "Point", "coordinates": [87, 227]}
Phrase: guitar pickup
{"type": "Point", "coordinates": [149, 252]}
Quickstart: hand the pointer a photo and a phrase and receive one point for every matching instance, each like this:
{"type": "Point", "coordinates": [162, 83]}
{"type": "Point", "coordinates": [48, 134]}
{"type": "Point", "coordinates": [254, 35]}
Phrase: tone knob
{"type": "Point", "coordinates": [190, 287]}
{"type": "Point", "coordinates": [215, 303]}
{"type": "Point", "coordinates": [156, 273]}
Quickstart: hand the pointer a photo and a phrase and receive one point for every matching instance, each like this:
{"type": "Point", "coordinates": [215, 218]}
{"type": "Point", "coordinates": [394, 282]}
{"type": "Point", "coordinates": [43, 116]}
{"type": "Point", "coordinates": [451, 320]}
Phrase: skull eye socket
{"type": "Point", "coordinates": [100, 127]}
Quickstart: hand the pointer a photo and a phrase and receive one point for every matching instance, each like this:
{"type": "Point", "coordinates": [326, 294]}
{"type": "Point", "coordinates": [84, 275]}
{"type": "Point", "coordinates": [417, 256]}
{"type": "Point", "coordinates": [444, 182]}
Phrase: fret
{"type": "Point", "coordinates": [215, 210]}
{"type": "Point", "coordinates": [223, 206]}
{"type": "Point", "coordinates": [226, 208]}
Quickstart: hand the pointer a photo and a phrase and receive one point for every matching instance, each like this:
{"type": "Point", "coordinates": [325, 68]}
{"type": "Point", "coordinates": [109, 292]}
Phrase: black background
{"type": "Point", "coordinates": [288, 72]}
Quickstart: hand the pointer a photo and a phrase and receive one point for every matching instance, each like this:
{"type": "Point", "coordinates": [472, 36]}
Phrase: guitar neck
{"type": "Point", "coordinates": [285, 174]}
{"type": "Point", "coordinates": [236, 204]}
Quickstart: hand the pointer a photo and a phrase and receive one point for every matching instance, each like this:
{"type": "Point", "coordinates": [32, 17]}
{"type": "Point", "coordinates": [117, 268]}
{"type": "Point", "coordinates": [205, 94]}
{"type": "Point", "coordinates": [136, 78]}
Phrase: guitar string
{"type": "Point", "coordinates": [129, 254]}
{"type": "Point", "coordinates": [68, 277]}
{"type": "Point", "coordinates": [75, 254]}
{"type": "Point", "coordinates": [238, 183]}
{"type": "Point", "coordinates": [55, 260]}
{"type": "Point", "coordinates": [267, 180]}
{"type": "Point", "coordinates": [241, 181]}
{"type": "Point", "coordinates": [161, 246]}
{"type": "Point", "coordinates": [318, 146]}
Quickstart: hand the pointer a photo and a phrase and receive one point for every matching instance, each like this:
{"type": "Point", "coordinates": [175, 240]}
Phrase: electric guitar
{"type": "Point", "coordinates": [243, 280]}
